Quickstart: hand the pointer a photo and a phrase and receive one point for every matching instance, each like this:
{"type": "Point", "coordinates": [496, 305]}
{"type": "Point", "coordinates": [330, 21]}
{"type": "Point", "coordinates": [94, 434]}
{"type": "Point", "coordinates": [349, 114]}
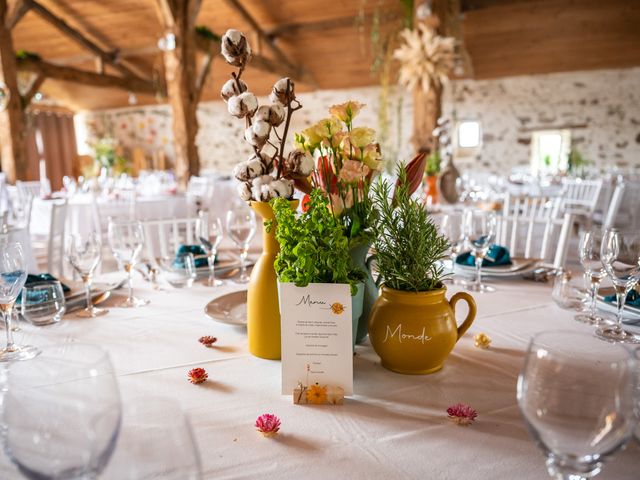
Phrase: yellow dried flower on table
{"type": "Point", "coordinates": [317, 394]}
{"type": "Point", "coordinates": [482, 340]}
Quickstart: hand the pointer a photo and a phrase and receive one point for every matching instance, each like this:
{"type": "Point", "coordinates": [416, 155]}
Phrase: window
{"type": "Point", "coordinates": [550, 151]}
{"type": "Point", "coordinates": [468, 134]}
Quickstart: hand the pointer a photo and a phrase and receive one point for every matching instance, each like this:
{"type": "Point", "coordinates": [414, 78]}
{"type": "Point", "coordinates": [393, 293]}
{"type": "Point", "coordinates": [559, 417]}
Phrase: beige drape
{"type": "Point", "coordinates": [58, 145]}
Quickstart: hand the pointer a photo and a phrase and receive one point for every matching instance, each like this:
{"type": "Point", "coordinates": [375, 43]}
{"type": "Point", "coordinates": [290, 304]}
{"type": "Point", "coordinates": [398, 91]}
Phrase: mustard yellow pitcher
{"type": "Point", "coordinates": [414, 332]}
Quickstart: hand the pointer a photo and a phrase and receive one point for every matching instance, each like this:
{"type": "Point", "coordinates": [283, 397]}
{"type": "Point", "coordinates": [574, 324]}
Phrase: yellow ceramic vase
{"type": "Point", "coordinates": [414, 332]}
{"type": "Point", "coordinates": [263, 311]}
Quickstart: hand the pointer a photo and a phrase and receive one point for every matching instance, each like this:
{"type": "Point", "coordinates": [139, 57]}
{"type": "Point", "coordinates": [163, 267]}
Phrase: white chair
{"type": "Point", "coordinates": [32, 188]}
{"type": "Point", "coordinates": [614, 206]}
{"type": "Point", "coordinates": [534, 237]}
{"type": "Point", "coordinates": [580, 196]}
{"type": "Point", "coordinates": [51, 251]}
{"type": "Point", "coordinates": [164, 237]}
{"type": "Point", "coordinates": [541, 207]}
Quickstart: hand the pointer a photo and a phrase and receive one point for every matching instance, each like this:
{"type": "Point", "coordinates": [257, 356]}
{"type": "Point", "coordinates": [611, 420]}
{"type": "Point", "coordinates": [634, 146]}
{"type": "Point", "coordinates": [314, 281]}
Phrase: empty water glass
{"type": "Point", "coordinates": [43, 303]}
{"type": "Point", "coordinates": [479, 232]}
{"type": "Point", "coordinates": [179, 272]}
{"type": "Point", "coordinates": [126, 239]}
{"type": "Point", "coordinates": [84, 254]}
{"type": "Point", "coordinates": [241, 226]}
{"type": "Point", "coordinates": [210, 233]}
{"type": "Point", "coordinates": [577, 397]}
{"type": "Point", "coordinates": [589, 254]}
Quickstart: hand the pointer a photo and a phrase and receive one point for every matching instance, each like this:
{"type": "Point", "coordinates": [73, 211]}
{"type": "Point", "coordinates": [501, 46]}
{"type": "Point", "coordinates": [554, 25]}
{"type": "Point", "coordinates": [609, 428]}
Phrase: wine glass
{"type": "Point", "coordinates": [62, 413]}
{"type": "Point", "coordinates": [179, 272]}
{"type": "Point", "coordinates": [479, 232]}
{"type": "Point", "coordinates": [210, 234]}
{"type": "Point", "coordinates": [13, 274]}
{"type": "Point", "coordinates": [241, 227]}
{"type": "Point", "coordinates": [84, 254]}
{"type": "Point", "coordinates": [126, 239]}
{"type": "Point", "coordinates": [576, 395]}
{"type": "Point", "coordinates": [156, 441]}
{"type": "Point", "coordinates": [589, 254]}
{"type": "Point", "coordinates": [43, 303]}
{"type": "Point", "coordinates": [620, 253]}
{"type": "Point", "coordinates": [452, 228]}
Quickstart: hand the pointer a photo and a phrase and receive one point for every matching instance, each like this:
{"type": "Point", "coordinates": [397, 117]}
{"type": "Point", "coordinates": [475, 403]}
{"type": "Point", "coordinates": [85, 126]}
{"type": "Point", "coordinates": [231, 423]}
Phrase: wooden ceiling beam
{"type": "Point", "coordinates": [16, 12]}
{"type": "Point", "coordinates": [69, 74]}
{"type": "Point", "coordinates": [287, 29]}
{"type": "Point", "coordinates": [109, 57]}
{"type": "Point", "coordinates": [33, 89]}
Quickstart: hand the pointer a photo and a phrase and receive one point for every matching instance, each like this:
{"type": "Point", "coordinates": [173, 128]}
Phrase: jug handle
{"type": "Point", "coordinates": [367, 263]}
{"type": "Point", "coordinates": [472, 311]}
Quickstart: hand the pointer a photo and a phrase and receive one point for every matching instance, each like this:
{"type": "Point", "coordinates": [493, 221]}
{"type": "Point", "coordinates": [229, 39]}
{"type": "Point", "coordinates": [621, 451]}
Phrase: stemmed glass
{"type": "Point", "coordinates": [589, 254]}
{"type": "Point", "coordinates": [452, 229]}
{"type": "Point", "coordinates": [13, 274]}
{"type": "Point", "coordinates": [126, 239]}
{"type": "Point", "coordinates": [576, 395]}
{"type": "Point", "coordinates": [620, 253]}
{"type": "Point", "coordinates": [62, 413]}
{"type": "Point", "coordinates": [241, 227]}
{"type": "Point", "coordinates": [479, 233]}
{"type": "Point", "coordinates": [210, 234]}
{"type": "Point", "coordinates": [84, 254]}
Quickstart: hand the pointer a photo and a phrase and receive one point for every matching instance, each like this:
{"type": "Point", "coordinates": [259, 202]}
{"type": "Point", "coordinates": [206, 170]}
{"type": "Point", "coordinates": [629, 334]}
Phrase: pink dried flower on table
{"type": "Point", "coordinates": [462, 414]}
{"type": "Point", "coordinates": [207, 340]}
{"type": "Point", "coordinates": [197, 375]}
{"type": "Point", "coordinates": [268, 424]}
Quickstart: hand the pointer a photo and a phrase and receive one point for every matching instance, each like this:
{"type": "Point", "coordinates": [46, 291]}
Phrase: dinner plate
{"type": "Point", "coordinates": [230, 308]}
{"type": "Point", "coordinates": [629, 312]}
{"type": "Point", "coordinates": [519, 266]}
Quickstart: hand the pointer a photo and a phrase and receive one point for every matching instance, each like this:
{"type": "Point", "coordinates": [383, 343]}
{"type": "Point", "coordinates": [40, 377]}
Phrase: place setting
{"type": "Point", "coordinates": [289, 240]}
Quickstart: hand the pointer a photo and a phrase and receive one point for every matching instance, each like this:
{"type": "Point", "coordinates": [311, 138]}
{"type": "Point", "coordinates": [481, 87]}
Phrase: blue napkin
{"type": "Point", "coordinates": [40, 279]}
{"type": "Point", "coordinates": [199, 256]}
{"type": "Point", "coordinates": [633, 299]}
{"type": "Point", "coordinates": [499, 255]}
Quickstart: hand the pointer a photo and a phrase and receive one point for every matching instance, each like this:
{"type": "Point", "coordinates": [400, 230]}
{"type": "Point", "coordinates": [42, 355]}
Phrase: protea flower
{"type": "Point", "coordinates": [462, 414]}
{"type": "Point", "coordinates": [207, 340]}
{"type": "Point", "coordinates": [268, 424]}
{"type": "Point", "coordinates": [197, 375]}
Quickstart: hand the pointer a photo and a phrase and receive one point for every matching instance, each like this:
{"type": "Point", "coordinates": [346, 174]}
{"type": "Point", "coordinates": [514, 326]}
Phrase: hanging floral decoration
{"type": "Point", "coordinates": [426, 58]}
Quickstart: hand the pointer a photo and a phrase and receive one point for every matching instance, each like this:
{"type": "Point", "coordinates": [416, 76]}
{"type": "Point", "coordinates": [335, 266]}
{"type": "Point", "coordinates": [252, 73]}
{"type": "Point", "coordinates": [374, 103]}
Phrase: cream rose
{"type": "Point", "coordinates": [347, 111]}
{"type": "Point", "coordinates": [362, 136]}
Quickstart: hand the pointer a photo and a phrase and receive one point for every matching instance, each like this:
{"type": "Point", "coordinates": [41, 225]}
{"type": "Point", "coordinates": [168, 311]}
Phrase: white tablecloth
{"type": "Point", "coordinates": [394, 427]}
{"type": "Point", "coordinates": [80, 211]}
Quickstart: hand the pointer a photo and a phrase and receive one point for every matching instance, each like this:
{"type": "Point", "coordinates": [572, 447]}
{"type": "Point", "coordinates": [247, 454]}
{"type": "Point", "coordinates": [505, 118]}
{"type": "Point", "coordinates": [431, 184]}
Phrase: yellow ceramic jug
{"type": "Point", "coordinates": [414, 332]}
{"type": "Point", "coordinates": [263, 310]}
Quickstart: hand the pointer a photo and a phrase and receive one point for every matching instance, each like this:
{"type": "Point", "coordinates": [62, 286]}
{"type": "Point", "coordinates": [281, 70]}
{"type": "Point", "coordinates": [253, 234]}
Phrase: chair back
{"type": "Point", "coordinates": [534, 237]}
{"type": "Point", "coordinates": [614, 206]}
{"type": "Point", "coordinates": [55, 247]}
{"type": "Point", "coordinates": [580, 196]}
{"type": "Point", "coordinates": [164, 237]}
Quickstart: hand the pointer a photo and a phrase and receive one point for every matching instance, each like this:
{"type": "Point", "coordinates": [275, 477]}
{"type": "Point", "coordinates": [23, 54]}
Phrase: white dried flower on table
{"type": "Point", "coordinates": [426, 58]}
{"type": "Point", "coordinates": [258, 133]}
{"type": "Point", "coordinates": [231, 89]}
{"type": "Point", "coordinates": [235, 48]}
{"type": "Point", "coordinates": [282, 188]}
{"type": "Point", "coordinates": [242, 105]}
{"type": "Point", "coordinates": [299, 163]}
{"type": "Point", "coordinates": [280, 93]}
{"type": "Point", "coordinates": [273, 114]}
{"type": "Point", "coordinates": [244, 190]}
{"type": "Point", "coordinates": [254, 167]}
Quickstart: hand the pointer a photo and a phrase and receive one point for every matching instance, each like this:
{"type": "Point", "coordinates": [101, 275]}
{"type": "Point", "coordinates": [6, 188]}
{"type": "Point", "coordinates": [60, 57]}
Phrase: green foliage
{"type": "Point", "coordinates": [26, 55]}
{"type": "Point", "coordinates": [576, 162]}
{"type": "Point", "coordinates": [433, 163]}
{"type": "Point", "coordinates": [313, 247]}
{"type": "Point", "coordinates": [205, 32]}
{"type": "Point", "coordinates": [407, 243]}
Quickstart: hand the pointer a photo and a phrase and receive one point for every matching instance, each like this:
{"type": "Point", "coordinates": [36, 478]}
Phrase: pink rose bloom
{"type": "Point", "coordinates": [353, 171]}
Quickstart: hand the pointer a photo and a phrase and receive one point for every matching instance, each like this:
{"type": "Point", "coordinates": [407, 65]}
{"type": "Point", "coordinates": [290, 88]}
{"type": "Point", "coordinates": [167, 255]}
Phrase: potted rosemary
{"type": "Point", "coordinates": [314, 250]}
{"type": "Point", "coordinates": [412, 326]}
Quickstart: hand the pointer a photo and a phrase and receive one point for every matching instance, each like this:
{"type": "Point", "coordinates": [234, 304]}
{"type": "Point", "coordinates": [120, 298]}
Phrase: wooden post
{"type": "Point", "coordinates": [178, 18]}
{"type": "Point", "coordinates": [12, 120]}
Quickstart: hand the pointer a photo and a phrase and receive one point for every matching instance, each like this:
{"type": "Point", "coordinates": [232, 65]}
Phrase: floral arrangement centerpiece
{"type": "Point", "coordinates": [269, 172]}
{"type": "Point", "coordinates": [348, 158]}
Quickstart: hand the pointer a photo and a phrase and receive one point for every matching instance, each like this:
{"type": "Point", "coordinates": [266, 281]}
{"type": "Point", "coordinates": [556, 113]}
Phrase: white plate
{"type": "Point", "coordinates": [519, 266]}
{"type": "Point", "coordinates": [230, 308]}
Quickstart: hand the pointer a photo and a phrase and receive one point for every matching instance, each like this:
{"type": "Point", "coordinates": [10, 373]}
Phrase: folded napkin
{"type": "Point", "coordinates": [40, 278]}
{"type": "Point", "coordinates": [199, 256]}
{"type": "Point", "coordinates": [496, 256]}
{"type": "Point", "coordinates": [633, 299]}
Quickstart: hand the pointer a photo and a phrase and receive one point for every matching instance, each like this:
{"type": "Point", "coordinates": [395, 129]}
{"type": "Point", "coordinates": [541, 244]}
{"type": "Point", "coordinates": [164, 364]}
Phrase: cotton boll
{"type": "Point", "coordinates": [260, 188]}
{"type": "Point", "coordinates": [272, 114]}
{"type": "Point", "coordinates": [242, 105]}
{"type": "Point", "coordinates": [244, 190]}
{"type": "Point", "coordinates": [258, 133]}
{"type": "Point", "coordinates": [282, 188]}
{"type": "Point", "coordinates": [235, 48]}
{"type": "Point", "coordinates": [252, 168]}
{"type": "Point", "coordinates": [299, 163]}
{"type": "Point", "coordinates": [231, 89]}
{"type": "Point", "coordinates": [280, 93]}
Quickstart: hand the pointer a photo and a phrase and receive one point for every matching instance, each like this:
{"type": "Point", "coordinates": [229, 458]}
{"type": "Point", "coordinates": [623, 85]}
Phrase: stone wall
{"type": "Point", "coordinates": [601, 108]}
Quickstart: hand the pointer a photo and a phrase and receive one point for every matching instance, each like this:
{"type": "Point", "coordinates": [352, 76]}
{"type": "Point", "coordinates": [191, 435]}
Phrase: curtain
{"type": "Point", "coordinates": [51, 136]}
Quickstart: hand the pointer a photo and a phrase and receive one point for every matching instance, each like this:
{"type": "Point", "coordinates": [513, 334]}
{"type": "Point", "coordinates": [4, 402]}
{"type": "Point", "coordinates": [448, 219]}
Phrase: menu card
{"type": "Point", "coordinates": [317, 345]}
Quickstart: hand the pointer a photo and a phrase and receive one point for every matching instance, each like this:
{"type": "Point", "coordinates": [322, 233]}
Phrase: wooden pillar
{"type": "Point", "coordinates": [178, 17]}
{"type": "Point", "coordinates": [12, 120]}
